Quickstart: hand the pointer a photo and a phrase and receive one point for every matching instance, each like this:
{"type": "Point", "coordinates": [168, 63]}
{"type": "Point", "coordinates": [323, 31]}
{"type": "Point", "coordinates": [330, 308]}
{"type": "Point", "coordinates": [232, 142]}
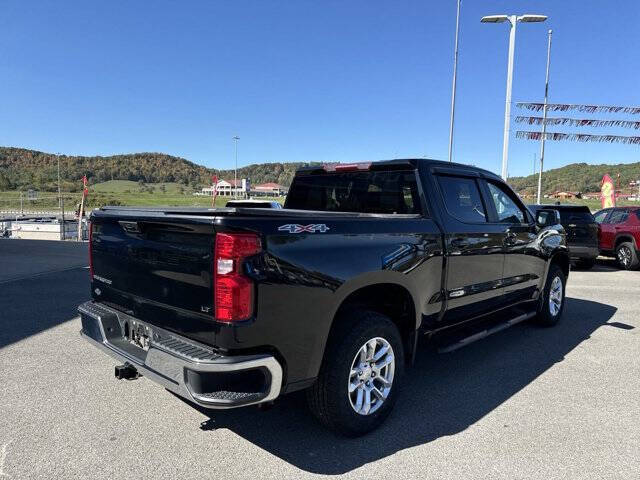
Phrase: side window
{"type": "Point", "coordinates": [462, 199]}
{"type": "Point", "coordinates": [619, 216]}
{"type": "Point", "coordinates": [507, 210]}
{"type": "Point", "coordinates": [600, 216]}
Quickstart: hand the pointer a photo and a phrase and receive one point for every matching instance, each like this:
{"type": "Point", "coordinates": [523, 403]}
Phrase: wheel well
{"type": "Point", "coordinates": [389, 299]}
{"type": "Point", "coordinates": [624, 238]}
{"type": "Point", "coordinates": [562, 260]}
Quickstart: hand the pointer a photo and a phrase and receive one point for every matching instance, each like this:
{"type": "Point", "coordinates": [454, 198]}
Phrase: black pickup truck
{"type": "Point", "coordinates": [229, 307]}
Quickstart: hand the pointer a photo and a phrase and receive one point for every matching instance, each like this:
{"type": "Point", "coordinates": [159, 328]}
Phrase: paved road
{"type": "Point", "coordinates": [525, 403]}
{"type": "Point", "coordinates": [26, 258]}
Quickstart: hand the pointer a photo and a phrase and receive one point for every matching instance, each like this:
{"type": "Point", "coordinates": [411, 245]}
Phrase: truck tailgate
{"type": "Point", "coordinates": [155, 268]}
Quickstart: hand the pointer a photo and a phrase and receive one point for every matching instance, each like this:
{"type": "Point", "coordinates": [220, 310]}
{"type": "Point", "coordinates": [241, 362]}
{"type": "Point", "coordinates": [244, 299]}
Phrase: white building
{"type": "Point", "coordinates": [229, 188]}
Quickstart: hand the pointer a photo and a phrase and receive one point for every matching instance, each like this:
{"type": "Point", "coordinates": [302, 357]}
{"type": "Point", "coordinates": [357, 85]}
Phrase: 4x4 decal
{"type": "Point", "coordinates": [297, 228]}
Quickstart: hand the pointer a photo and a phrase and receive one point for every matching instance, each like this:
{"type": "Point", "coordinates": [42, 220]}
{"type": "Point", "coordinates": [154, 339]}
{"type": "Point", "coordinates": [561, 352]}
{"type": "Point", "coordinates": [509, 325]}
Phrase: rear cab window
{"type": "Point", "coordinates": [462, 198]}
{"type": "Point", "coordinates": [382, 192]}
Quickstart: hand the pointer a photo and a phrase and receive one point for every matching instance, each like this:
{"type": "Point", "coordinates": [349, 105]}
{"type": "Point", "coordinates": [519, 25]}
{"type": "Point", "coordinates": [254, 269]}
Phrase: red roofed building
{"type": "Point", "coordinates": [271, 189]}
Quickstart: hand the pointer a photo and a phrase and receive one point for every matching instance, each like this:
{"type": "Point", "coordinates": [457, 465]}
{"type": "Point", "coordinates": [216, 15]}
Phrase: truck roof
{"type": "Point", "coordinates": [398, 162]}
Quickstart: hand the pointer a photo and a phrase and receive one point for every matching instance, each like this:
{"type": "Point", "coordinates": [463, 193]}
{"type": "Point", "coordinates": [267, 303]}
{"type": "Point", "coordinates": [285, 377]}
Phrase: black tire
{"type": "Point", "coordinates": [627, 256]}
{"type": "Point", "coordinates": [547, 314]}
{"type": "Point", "coordinates": [329, 398]}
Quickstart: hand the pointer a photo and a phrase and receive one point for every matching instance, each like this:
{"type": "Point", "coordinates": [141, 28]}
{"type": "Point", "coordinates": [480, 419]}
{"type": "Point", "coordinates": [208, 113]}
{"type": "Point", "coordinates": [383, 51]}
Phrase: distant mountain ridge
{"type": "Point", "coordinates": [577, 177]}
{"type": "Point", "coordinates": [21, 169]}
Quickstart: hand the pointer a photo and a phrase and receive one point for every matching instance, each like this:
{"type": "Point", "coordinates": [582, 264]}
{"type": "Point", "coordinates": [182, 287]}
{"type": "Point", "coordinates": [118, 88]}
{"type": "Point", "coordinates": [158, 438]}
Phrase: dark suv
{"type": "Point", "coordinates": [582, 232]}
{"type": "Point", "coordinates": [620, 234]}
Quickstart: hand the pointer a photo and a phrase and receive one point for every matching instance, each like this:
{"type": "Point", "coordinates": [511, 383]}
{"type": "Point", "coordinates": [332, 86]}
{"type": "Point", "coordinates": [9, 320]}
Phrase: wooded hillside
{"type": "Point", "coordinates": [22, 169]}
{"type": "Point", "coordinates": [577, 177]}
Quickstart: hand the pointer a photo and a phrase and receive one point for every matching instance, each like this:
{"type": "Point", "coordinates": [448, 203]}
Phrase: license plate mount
{"type": "Point", "coordinates": [140, 335]}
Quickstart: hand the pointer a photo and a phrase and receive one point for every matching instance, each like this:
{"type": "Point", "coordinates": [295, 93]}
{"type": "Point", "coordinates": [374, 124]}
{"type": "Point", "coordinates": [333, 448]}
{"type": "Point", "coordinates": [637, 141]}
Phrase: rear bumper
{"type": "Point", "coordinates": [577, 252]}
{"type": "Point", "coordinates": [189, 369]}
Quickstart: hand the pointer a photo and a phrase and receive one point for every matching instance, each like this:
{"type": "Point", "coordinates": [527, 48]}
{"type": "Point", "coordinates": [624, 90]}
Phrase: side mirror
{"type": "Point", "coordinates": [547, 218]}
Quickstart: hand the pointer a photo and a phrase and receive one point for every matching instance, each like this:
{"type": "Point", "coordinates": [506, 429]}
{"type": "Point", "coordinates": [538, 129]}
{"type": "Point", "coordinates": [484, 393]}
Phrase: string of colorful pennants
{"type": "Point", "coordinates": [578, 137]}
{"type": "Point", "coordinates": [566, 107]}
{"type": "Point", "coordinates": [578, 122]}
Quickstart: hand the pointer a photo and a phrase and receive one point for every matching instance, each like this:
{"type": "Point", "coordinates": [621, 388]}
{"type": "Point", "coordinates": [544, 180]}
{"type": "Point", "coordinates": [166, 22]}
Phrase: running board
{"type": "Point", "coordinates": [485, 333]}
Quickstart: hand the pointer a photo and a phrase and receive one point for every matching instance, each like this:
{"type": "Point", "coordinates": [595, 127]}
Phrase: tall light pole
{"type": "Point", "coordinates": [235, 173]}
{"type": "Point", "coordinates": [453, 86]}
{"type": "Point", "coordinates": [544, 117]}
{"type": "Point", "coordinates": [513, 22]}
{"type": "Point", "coordinates": [59, 196]}
{"type": "Point", "coordinates": [60, 201]}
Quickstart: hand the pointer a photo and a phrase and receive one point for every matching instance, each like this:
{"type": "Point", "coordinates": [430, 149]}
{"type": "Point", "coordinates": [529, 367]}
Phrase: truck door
{"type": "Point", "coordinates": [613, 226]}
{"type": "Point", "coordinates": [601, 219]}
{"type": "Point", "coordinates": [524, 267]}
{"type": "Point", "coordinates": [474, 250]}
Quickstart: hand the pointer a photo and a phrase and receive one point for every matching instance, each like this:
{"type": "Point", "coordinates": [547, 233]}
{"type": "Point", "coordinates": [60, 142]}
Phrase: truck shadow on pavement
{"type": "Point", "coordinates": [443, 395]}
{"type": "Point", "coordinates": [32, 305]}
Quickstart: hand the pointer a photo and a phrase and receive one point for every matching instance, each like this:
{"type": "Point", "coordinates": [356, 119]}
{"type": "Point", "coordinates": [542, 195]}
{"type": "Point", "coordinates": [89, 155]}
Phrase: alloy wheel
{"type": "Point", "coordinates": [624, 256]}
{"type": "Point", "coordinates": [371, 376]}
{"type": "Point", "coordinates": [555, 296]}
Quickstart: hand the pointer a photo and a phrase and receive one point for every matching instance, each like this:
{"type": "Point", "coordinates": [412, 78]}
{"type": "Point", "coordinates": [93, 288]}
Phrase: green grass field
{"type": "Point", "coordinates": [129, 193]}
{"type": "Point", "coordinates": [116, 192]}
{"type": "Point", "coordinates": [128, 186]}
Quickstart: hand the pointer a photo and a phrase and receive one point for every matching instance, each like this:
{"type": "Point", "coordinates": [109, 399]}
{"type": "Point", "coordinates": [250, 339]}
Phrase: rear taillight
{"type": "Point", "coordinates": [90, 252]}
{"type": "Point", "coordinates": [233, 291]}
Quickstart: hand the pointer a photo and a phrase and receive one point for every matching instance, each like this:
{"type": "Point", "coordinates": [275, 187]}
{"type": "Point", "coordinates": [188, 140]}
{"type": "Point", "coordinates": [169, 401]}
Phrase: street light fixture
{"type": "Point", "coordinates": [513, 22]}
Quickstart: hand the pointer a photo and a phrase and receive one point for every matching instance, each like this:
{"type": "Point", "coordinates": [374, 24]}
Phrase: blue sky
{"type": "Point", "coordinates": [305, 80]}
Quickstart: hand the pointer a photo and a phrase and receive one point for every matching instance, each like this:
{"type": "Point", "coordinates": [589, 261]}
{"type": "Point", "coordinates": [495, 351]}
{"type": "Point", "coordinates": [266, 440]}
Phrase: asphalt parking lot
{"type": "Point", "coordinates": [524, 403]}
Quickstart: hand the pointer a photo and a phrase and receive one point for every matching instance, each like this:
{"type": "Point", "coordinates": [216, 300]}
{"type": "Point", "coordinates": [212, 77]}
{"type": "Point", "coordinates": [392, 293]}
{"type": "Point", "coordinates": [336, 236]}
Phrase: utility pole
{"type": "Point", "coordinates": [60, 201]}
{"type": "Point", "coordinates": [235, 173]}
{"type": "Point", "coordinates": [453, 86]}
{"type": "Point", "coordinates": [544, 117]}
